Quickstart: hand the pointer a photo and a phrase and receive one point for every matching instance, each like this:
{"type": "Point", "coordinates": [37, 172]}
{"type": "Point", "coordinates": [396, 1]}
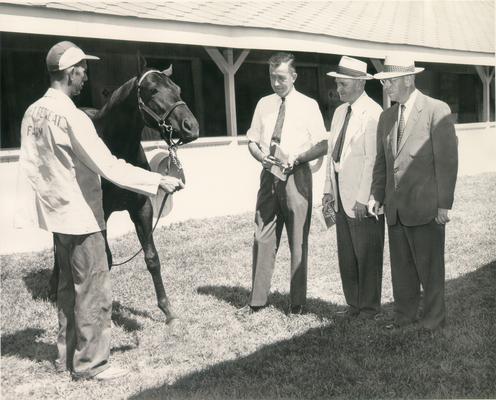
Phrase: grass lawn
{"type": "Point", "coordinates": [214, 355]}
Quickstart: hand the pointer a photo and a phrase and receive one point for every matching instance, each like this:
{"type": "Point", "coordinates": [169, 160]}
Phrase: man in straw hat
{"type": "Point", "coordinates": [61, 161]}
{"type": "Point", "coordinates": [351, 156]}
{"type": "Point", "coordinates": [414, 178]}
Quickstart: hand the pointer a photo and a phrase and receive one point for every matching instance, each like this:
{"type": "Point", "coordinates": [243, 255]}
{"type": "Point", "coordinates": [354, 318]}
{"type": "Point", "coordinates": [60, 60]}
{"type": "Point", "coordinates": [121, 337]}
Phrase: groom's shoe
{"type": "Point", "coordinates": [247, 310]}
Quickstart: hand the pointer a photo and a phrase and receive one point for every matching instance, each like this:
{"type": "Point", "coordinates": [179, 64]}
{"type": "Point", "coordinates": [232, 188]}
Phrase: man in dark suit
{"type": "Point", "coordinates": [414, 178]}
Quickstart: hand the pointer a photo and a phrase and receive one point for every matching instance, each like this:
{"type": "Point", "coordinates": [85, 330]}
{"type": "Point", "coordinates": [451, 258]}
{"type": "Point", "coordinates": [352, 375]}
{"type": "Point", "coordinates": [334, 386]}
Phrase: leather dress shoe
{"type": "Point", "coordinates": [370, 316]}
{"type": "Point", "coordinates": [297, 310]}
{"type": "Point", "coordinates": [106, 375]}
{"type": "Point", "coordinates": [111, 373]}
{"type": "Point", "coordinates": [247, 310]}
{"type": "Point", "coordinates": [348, 313]}
{"type": "Point", "coordinates": [392, 326]}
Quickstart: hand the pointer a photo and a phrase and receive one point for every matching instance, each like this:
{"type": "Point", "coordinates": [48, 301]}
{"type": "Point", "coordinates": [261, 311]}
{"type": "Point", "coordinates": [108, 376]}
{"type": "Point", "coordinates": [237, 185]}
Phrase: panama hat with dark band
{"type": "Point", "coordinates": [398, 65]}
{"type": "Point", "coordinates": [351, 68]}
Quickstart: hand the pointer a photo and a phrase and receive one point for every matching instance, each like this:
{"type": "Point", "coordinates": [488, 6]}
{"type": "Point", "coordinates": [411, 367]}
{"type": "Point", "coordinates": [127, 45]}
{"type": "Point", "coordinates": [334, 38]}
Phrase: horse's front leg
{"type": "Point", "coordinates": [53, 282]}
{"type": "Point", "coordinates": [143, 221]}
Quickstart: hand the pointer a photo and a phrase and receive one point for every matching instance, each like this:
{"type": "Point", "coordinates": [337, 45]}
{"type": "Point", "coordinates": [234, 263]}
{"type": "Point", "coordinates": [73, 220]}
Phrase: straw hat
{"type": "Point", "coordinates": [351, 68]}
{"type": "Point", "coordinates": [398, 65]}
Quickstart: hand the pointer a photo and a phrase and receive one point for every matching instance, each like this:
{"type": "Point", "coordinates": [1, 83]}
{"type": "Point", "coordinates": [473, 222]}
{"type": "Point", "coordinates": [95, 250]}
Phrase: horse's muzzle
{"type": "Point", "coordinates": [190, 130]}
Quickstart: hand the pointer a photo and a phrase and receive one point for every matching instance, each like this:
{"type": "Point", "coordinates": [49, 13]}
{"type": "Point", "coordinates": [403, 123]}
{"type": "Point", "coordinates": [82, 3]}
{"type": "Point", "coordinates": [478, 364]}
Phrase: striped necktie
{"type": "Point", "coordinates": [401, 127]}
{"type": "Point", "coordinates": [276, 135]}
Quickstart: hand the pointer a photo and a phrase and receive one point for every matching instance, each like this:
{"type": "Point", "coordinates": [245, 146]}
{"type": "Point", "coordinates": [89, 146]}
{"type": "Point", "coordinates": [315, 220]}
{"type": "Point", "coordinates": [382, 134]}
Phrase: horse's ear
{"type": "Point", "coordinates": [141, 63]}
{"type": "Point", "coordinates": [168, 71]}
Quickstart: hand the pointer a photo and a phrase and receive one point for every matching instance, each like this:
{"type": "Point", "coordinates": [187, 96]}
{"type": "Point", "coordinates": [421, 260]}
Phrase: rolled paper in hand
{"type": "Point", "coordinates": [329, 215]}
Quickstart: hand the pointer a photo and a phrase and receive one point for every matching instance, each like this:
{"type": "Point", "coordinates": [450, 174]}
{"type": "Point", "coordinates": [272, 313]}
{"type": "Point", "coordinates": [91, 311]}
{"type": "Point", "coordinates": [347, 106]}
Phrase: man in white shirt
{"type": "Point", "coordinates": [284, 123]}
{"type": "Point", "coordinates": [351, 156]}
{"type": "Point", "coordinates": [61, 161]}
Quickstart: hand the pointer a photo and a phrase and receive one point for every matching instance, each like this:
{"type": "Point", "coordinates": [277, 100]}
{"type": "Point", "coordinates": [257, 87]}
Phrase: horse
{"type": "Point", "coordinates": [154, 100]}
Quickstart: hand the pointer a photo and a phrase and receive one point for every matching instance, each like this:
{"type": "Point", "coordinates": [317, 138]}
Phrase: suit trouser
{"type": "Point", "coordinates": [417, 258]}
{"type": "Point", "coordinates": [282, 203]}
{"type": "Point", "coordinates": [360, 256]}
{"type": "Point", "coordinates": [84, 302]}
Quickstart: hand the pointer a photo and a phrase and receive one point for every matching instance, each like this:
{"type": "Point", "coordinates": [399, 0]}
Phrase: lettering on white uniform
{"type": "Point", "coordinates": [41, 115]}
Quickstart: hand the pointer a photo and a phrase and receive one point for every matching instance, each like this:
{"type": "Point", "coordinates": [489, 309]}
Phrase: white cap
{"type": "Point", "coordinates": [64, 55]}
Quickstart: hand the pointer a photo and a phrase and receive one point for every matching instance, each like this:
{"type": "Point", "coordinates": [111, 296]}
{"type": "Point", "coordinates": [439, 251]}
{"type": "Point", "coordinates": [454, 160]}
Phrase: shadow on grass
{"type": "Point", "coordinates": [37, 283]}
{"type": "Point", "coordinates": [358, 359]}
{"type": "Point", "coordinates": [238, 297]}
{"type": "Point", "coordinates": [121, 315]}
{"type": "Point", "coordinates": [25, 344]}
{"type": "Point", "coordinates": [122, 349]}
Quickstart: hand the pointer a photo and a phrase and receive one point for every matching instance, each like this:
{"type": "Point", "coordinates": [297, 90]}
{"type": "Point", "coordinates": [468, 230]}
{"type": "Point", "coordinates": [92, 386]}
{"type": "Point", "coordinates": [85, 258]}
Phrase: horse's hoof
{"type": "Point", "coordinates": [173, 325]}
{"type": "Point", "coordinates": [52, 297]}
{"type": "Point", "coordinates": [52, 290]}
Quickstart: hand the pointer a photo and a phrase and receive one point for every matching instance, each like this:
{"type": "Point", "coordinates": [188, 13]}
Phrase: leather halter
{"type": "Point", "coordinates": [164, 127]}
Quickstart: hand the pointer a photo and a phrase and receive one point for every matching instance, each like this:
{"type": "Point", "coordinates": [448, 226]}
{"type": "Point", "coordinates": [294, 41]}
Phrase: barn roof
{"type": "Point", "coordinates": [466, 26]}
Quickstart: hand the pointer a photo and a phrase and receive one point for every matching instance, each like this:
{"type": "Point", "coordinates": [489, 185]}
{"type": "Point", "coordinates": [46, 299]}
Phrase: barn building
{"type": "Point", "coordinates": [219, 51]}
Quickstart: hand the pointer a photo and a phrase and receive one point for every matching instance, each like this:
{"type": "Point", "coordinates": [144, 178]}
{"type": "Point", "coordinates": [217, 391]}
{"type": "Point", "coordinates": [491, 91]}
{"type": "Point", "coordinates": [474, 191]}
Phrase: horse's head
{"type": "Point", "coordinates": [161, 106]}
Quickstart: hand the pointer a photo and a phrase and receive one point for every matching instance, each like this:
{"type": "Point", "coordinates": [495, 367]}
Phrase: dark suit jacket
{"type": "Point", "coordinates": [420, 177]}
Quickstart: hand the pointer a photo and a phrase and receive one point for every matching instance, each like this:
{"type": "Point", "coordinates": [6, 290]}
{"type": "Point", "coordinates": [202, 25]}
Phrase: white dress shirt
{"type": "Point", "coordinates": [61, 160]}
{"type": "Point", "coordinates": [303, 124]}
{"type": "Point", "coordinates": [408, 106]}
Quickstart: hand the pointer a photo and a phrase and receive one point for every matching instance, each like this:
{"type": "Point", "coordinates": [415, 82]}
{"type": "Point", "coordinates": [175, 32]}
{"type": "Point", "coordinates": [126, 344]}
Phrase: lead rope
{"type": "Point", "coordinates": [175, 160]}
{"type": "Point", "coordinates": [149, 236]}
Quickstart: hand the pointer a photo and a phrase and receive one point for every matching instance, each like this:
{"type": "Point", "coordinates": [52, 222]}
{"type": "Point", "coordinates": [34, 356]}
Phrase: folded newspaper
{"type": "Point", "coordinates": [329, 215]}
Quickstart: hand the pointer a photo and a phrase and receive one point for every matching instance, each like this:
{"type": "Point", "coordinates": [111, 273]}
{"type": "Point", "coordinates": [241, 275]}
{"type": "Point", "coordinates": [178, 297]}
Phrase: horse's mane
{"type": "Point", "coordinates": [117, 97]}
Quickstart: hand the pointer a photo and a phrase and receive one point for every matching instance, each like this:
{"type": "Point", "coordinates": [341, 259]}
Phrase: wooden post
{"type": "Point", "coordinates": [486, 78]}
{"type": "Point", "coordinates": [386, 101]}
{"type": "Point", "coordinates": [228, 67]}
{"type": "Point", "coordinates": [198, 88]}
{"type": "Point", "coordinates": [229, 90]}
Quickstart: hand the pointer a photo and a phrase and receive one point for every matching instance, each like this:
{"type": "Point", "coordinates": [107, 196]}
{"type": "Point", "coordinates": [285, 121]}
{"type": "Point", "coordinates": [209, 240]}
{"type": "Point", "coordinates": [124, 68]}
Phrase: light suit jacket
{"type": "Point", "coordinates": [358, 154]}
{"type": "Point", "coordinates": [418, 177]}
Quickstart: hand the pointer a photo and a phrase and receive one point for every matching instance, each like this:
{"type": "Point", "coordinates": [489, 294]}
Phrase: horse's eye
{"type": "Point", "coordinates": [153, 91]}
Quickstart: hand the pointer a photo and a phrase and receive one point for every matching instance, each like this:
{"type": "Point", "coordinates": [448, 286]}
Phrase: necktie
{"type": "Point", "coordinates": [338, 147]}
{"type": "Point", "coordinates": [276, 135]}
{"type": "Point", "coordinates": [401, 126]}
